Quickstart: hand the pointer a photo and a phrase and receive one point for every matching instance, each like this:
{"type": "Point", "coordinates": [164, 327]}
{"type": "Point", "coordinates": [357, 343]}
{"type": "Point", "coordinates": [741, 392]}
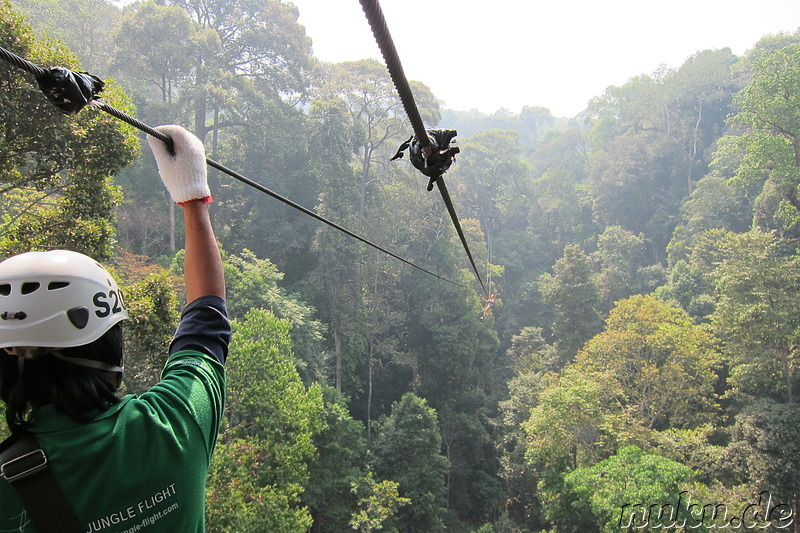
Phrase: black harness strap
{"type": "Point", "coordinates": [24, 465]}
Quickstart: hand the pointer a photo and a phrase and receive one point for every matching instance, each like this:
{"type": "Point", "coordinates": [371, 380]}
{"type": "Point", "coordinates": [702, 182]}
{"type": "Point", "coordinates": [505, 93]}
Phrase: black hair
{"type": "Point", "coordinates": [76, 391]}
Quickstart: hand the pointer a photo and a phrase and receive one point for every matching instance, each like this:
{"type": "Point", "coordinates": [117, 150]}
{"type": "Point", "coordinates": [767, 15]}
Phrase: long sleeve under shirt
{"type": "Point", "coordinates": [141, 465]}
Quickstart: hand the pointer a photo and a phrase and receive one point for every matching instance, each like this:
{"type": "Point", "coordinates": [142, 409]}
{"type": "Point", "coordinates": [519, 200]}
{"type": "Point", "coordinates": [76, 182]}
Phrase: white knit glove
{"type": "Point", "coordinates": [184, 171]}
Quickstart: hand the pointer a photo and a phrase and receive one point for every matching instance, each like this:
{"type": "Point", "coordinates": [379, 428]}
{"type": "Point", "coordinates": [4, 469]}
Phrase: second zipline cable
{"type": "Point", "coordinates": [374, 13]}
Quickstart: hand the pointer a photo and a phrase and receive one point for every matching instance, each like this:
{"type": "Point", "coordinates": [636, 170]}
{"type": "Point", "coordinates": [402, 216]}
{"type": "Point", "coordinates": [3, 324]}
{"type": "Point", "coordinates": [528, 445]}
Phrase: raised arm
{"type": "Point", "coordinates": [202, 265]}
{"type": "Point", "coordinates": [183, 171]}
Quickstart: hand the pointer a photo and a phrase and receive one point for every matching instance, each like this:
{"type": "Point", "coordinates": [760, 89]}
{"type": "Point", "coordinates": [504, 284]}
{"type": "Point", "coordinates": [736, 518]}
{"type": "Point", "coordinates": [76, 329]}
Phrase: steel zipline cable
{"type": "Point", "coordinates": [41, 74]}
{"type": "Point", "coordinates": [374, 13]}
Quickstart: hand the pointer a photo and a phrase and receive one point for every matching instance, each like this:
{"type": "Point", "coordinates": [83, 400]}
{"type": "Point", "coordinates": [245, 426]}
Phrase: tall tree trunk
{"type": "Point", "coordinates": [369, 393]}
{"type": "Point", "coordinates": [337, 348]}
{"type": "Point", "coordinates": [200, 104]}
{"type": "Point", "coordinates": [695, 141]}
{"type": "Point", "coordinates": [362, 190]}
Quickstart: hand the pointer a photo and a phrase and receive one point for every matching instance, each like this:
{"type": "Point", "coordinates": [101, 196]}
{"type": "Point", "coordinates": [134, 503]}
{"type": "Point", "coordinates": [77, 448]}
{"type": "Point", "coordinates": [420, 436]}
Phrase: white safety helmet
{"type": "Point", "coordinates": [56, 299]}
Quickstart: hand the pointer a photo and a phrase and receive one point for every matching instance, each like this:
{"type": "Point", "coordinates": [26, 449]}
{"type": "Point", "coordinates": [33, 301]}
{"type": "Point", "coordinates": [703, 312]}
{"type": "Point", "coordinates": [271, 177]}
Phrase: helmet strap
{"type": "Point", "coordinates": [88, 363]}
{"type": "Point", "coordinates": [29, 352]}
{"type": "Point", "coordinates": [22, 353]}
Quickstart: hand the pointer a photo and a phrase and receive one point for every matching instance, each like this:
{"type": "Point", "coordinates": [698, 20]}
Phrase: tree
{"type": "Point", "coordinates": [253, 283]}
{"type": "Point", "coordinates": [688, 288]}
{"type": "Point", "coordinates": [635, 186]}
{"type": "Point", "coordinates": [261, 464]}
{"type": "Point", "coordinates": [690, 281]}
{"type": "Point", "coordinates": [86, 26]}
{"type": "Point", "coordinates": [268, 141]}
{"type": "Point", "coordinates": [699, 448]}
{"type": "Point", "coordinates": [632, 489]}
{"type": "Point", "coordinates": [407, 449]}
{"type": "Point", "coordinates": [520, 477]}
{"type": "Point", "coordinates": [771, 146]}
{"type": "Point", "coordinates": [652, 141]}
{"type": "Point", "coordinates": [490, 178]}
{"type": "Point", "coordinates": [56, 173]}
{"type": "Point", "coordinates": [715, 203]}
{"type": "Point", "coordinates": [703, 86]}
{"type": "Point", "coordinates": [662, 364]}
{"type": "Point", "coordinates": [571, 291]}
{"type": "Point", "coordinates": [237, 73]}
{"type": "Point", "coordinates": [756, 317]}
{"type": "Point", "coordinates": [538, 120]}
{"type": "Point", "coordinates": [650, 369]}
{"type": "Point", "coordinates": [258, 41]}
{"type": "Point", "coordinates": [378, 505]}
{"type": "Point", "coordinates": [369, 95]}
{"type": "Point", "coordinates": [239, 498]}
{"type": "Point", "coordinates": [530, 353]}
{"type": "Point", "coordinates": [427, 336]}
{"type": "Point", "coordinates": [560, 212]}
{"type": "Point", "coordinates": [339, 464]}
{"type": "Point", "coordinates": [152, 47]}
{"type": "Point", "coordinates": [337, 279]}
{"type": "Point", "coordinates": [152, 303]}
{"type": "Point", "coordinates": [452, 351]}
{"type": "Point", "coordinates": [154, 56]}
{"type": "Point", "coordinates": [568, 151]}
{"type": "Point", "coordinates": [763, 450]}
{"type": "Point", "coordinates": [620, 259]}
{"type": "Point", "coordinates": [531, 357]}
{"type": "Point", "coordinates": [570, 426]}
{"type": "Point", "coordinates": [474, 489]}
{"type": "Point", "coordinates": [524, 258]}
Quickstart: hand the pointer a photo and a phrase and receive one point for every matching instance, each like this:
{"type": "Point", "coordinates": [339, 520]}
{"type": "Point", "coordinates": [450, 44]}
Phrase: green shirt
{"type": "Point", "coordinates": [141, 465]}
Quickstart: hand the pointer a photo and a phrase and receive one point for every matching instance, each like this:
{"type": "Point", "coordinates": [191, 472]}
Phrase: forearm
{"type": "Point", "coordinates": [202, 264]}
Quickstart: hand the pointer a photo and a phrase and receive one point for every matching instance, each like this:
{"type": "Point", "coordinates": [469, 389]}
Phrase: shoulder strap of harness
{"type": "Point", "coordinates": [24, 465]}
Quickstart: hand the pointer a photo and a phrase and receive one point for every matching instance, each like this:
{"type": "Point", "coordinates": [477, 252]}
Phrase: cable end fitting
{"type": "Point", "coordinates": [70, 91]}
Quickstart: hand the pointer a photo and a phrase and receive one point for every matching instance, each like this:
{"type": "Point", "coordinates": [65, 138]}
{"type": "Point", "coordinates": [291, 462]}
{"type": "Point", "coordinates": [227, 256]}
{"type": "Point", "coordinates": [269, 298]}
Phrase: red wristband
{"type": "Point", "coordinates": [204, 199]}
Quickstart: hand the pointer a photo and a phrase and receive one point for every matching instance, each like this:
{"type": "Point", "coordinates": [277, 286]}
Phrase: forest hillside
{"type": "Point", "coordinates": [640, 365]}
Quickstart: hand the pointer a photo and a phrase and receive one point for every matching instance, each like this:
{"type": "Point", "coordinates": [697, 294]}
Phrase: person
{"type": "Point", "coordinates": [489, 305]}
{"type": "Point", "coordinates": [135, 463]}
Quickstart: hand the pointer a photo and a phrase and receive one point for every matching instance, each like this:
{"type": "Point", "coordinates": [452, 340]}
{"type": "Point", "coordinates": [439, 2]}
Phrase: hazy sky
{"type": "Point", "coordinates": [489, 54]}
